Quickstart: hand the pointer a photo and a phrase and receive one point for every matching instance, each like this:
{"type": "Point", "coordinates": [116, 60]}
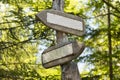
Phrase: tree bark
{"type": "Point", "coordinates": [110, 45]}
{"type": "Point", "coordinates": [70, 69]}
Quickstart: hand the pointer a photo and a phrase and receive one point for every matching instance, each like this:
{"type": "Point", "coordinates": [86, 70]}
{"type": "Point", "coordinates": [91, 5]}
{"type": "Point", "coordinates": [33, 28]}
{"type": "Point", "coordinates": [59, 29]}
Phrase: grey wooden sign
{"type": "Point", "coordinates": [62, 53]}
{"type": "Point", "coordinates": [62, 21]}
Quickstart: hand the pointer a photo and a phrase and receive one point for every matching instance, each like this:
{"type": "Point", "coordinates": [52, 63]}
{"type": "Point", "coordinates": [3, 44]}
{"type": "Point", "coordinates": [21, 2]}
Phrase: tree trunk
{"type": "Point", "coordinates": [110, 45]}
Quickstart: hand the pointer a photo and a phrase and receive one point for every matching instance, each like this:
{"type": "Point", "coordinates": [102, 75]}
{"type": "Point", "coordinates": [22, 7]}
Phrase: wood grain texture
{"type": "Point", "coordinates": [61, 53]}
{"type": "Point", "coordinates": [58, 53]}
{"type": "Point", "coordinates": [67, 24]}
{"type": "Point", "coordinates": [71, 71]}
{"type": "Point", "coordinates": [64, 21]}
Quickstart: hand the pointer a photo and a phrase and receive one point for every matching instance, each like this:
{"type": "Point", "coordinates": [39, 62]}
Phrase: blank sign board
{"type": "Point", "coordinates": [61, 53]}
{"type": "Point", "coordinates": [62, 21]}
{"type": "Point", "coordinates": [58, 53]}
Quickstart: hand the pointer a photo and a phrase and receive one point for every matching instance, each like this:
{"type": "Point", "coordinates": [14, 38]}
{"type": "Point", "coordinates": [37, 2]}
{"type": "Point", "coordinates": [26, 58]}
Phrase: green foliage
{"type": "Point", "coordinates": [21, 33]}
{"type": "Point", "coordinates": [97, 38]}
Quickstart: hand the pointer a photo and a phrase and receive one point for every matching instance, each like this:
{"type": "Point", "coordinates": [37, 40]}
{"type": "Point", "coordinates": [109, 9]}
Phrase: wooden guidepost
{"type": "Point", "coordinates": [70, 69]}
{"type": "Point", "coordinates": [64, 51]}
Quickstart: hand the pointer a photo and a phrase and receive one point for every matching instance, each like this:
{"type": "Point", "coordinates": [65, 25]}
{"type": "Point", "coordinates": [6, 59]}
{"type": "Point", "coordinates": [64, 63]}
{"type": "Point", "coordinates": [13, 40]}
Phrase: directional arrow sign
{"type": "Point", "coordinates": [62, 53]}
{"type": "Point", "coordinates": [62, 21]}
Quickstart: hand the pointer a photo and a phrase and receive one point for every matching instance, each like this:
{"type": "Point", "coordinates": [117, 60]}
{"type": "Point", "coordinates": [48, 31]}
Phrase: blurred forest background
{"type": "Point", "coordinates": [21, 36]}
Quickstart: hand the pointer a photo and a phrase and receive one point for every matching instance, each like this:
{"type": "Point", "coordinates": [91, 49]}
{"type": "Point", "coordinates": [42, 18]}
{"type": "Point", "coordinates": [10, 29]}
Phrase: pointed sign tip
{"type": "Point", "coordinates": [62, 22]}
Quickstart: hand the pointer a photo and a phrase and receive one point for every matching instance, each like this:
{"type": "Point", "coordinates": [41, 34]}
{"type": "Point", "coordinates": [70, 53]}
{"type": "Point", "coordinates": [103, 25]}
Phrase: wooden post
{"type": "Point", "coordinates": [70, 69]}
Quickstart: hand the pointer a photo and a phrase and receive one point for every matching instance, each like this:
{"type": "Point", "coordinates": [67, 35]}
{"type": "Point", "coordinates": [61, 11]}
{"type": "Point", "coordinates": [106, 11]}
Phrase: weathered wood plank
{"type": "Point", "coordinates": [58, 53]}
{"type": "Point", "coordinates": [62, 21]}
{"type": "Point", "coordinates": [61, 53]}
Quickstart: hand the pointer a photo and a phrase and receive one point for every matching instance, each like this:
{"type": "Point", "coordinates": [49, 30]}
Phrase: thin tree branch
{"type": "Point", "coordinates": [109, 4]}
{"type": "Point", "coordinates": [9, 28]}
{"type": "Point", "coordinates": [115, 15]}
{"type": "Point", "coordinates": [100, 15]}
{"type": "Point", "coordinates": [22, 42]}
{"type": "Point", "coordinates": [18, 63]}
{"type": "Point", "coordinates": [9, 22]}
